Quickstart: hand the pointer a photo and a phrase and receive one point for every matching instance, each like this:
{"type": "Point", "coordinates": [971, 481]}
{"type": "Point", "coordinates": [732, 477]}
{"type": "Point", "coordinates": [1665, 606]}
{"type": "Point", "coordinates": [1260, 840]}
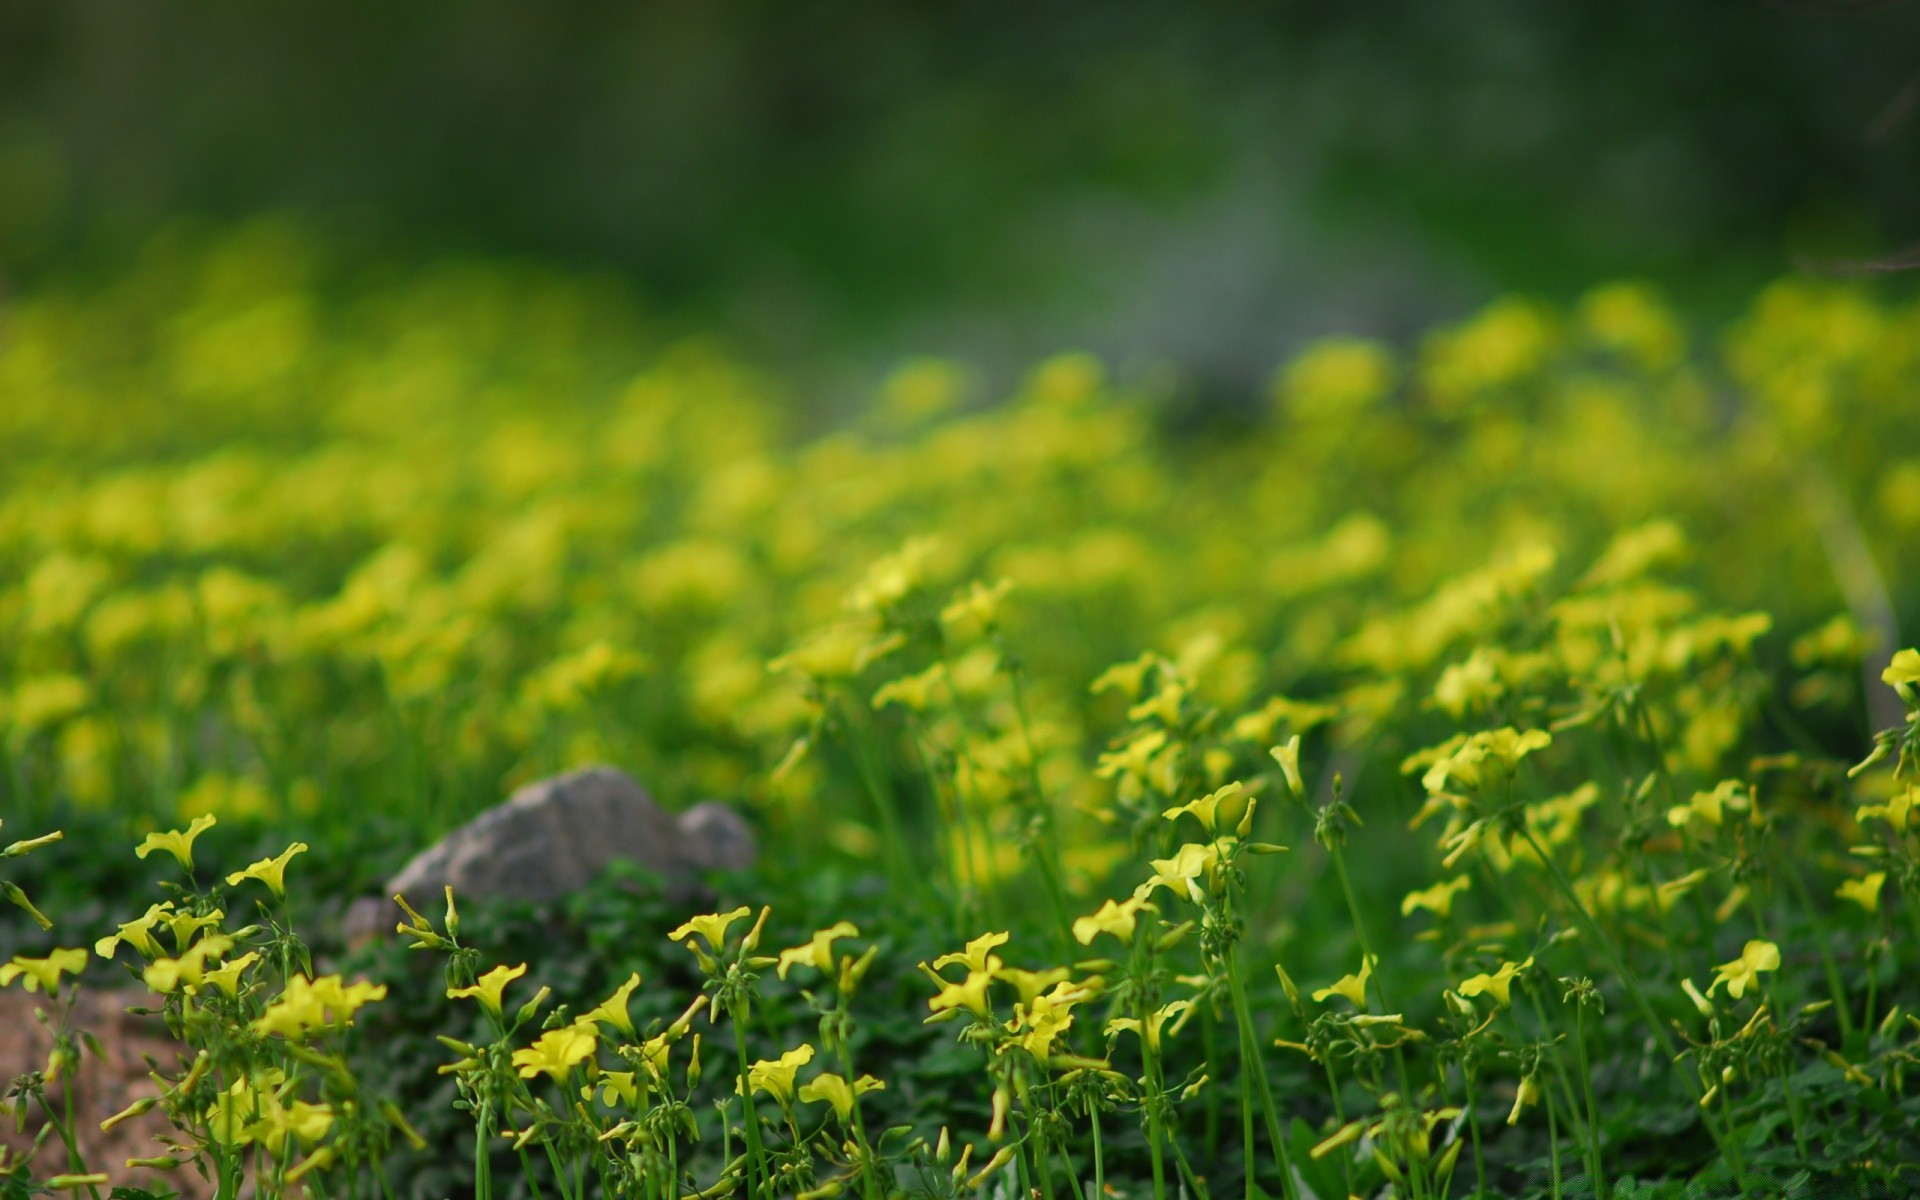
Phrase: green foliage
{"type": "Point", "coordinates": [1494, 693]}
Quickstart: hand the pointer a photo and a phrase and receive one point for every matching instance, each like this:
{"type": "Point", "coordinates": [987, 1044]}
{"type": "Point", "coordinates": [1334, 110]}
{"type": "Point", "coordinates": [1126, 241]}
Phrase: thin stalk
{"type": "Point", "coordinates": [1581, 1127]}
{"type": "Point", "coordinates": [1252, 1063]}
{"type": "Point", "coordinates": [756, 1169]}
{"type": "Point", "coordinates": [1473, 1127]}
{"type": "Point", "coordinates": [1827, 964]}
{"type": "Point", "coordinates": [1366, 949]}
{"type": "Point", "coordinates": [1045, 852]}
{"type": "Point", "coordinates": [1099, 1153]}
{"type": "Point", "coordinates": [898, 870]}
{"type": "Point", "coordinates": [1553, 1142]}
{"type": "Point", "coordinates": [1600, 1185]}
{"type": "Point", "coordinates": [1631, 982]}
{"type": "Point", "coordinates": [1150, 1066]}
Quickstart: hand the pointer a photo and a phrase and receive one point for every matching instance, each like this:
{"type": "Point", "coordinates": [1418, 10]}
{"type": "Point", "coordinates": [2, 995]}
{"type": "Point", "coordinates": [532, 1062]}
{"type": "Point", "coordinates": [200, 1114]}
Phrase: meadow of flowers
{"type": "Point", "coordinates": [1483, 768]}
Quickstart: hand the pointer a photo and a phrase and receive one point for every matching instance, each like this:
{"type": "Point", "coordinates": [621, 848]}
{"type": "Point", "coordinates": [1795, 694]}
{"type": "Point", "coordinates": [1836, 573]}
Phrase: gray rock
{"type": "Point", "coordinates": [554, 837]}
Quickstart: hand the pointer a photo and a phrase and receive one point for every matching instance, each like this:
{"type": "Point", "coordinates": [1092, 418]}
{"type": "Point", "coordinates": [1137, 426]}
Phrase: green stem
{"type": "Point", "coordinates": [756, 1169]}
{"type": "Point", "coordinates": [1366, 950]}
{"type": "Point", "coordinates": [1631, 982]}
{"type": "Point", "coordinates": [1252, 1064]}
{"type": "Point", "coordinates": [1473, 1128]}
{"type": "Point", "coordinates": [1600, 1186]}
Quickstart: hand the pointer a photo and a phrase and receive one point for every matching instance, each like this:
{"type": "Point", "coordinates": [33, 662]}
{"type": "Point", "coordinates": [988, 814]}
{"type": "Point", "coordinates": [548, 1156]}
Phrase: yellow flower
{"type": "Point", "coordinates": [163, 975]}
{"type": "Point", "coordinates": [43, 972]}
{"type": "Point", "coordinates": [1177, 874]}
{"type": "Point", "coordinates": [1031, 983]}
{"type": "Point", "coordinates": [1155, 1021]}
{"type": "Point", "coordinates": [977, 956]}
{"type": "Point", "coordinates": [1744, 971]}
{"type": "Point", "coordinates": [1044, 1017]}
{"type": "Point", "coordinates": [184, 925]}
{"type": "Point", "coordinates": [1135, 758]}
{"type": "Point", "coordinates": [557, 1051]}
{"type": "Point", "coordinates": [1353, 987]}
{"type": "Point", "coordinates": [613, 1010]}
{"type": "Point", "coordinates": [270, 871]}
{"type": "Point", "coordinates": [1437, 899]}
{"type": "Point", "coordinates": [1709, 806]}
{"type": "Point", "coordinates": [279, 1123]}
{"type": "Point", "coordinates": [970, 993]}
{"type": "Point", "coordinates": [831, 1089]}
{"type": "Point", "coordinates": [137, 933]}
{"type": "Point", "coordinates": [1206, 810]}
{"type": "Point", "coordinates": [307, 1005]}
{"type": "Point", "coordinates": [1117, 919]}
{"type": "Point", "coordinates": [178, 843]}
{"type": "Point", "coordinates": [775, 1076]}
{"type": "Point", "coordinates": [1127, 677]}
{"type": "Point", "coordinates": [1163, 705]}
{"type": "Point", "coordinates": [1288, 756]}
{"type": "Point", "coordinates": [1528, 1093]}
{"type": "Point", "coordinates": [1499, 985]}
{"type": "Point", "coordinates": [227, 978]}
{"type": "Point", "coordinates": [712, 927]}
{"type": "Point", "coordinates": [488, 988]}
{"type": "Point", "coordinates": [817, 953]}
{"type": "Point", "coordinates": [1895, 812]}
{"type": "Point", "coordinates": [614, 1086]}
{"type": "Point", "coordinates": [1864, 892]}
{"type": "Point", "coordinates": [911, 691]}
{"type": "Point", "coordinates": [1905, 668]}
{"type": "Point", "coordinates": [978, 605]}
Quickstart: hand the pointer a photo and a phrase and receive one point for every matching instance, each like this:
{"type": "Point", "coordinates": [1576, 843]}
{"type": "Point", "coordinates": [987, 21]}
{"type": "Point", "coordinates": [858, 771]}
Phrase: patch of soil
{"type": "Point", "coordinates": [104, 1084]}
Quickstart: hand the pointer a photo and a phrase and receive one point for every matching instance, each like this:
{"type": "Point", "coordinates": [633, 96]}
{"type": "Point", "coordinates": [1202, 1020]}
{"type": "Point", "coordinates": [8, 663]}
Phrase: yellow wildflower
{"type": "Point", "coordinates": [1178, 874]}
{"type": "Point", "coordinates": [1710, 807]}
{"type": "Point", "coordinates": [613, 1010]}
{"type": "Point", "coordinates": [1127, 677]}
{"type": "Point", "coordinates": [818, 952]}
{"type": "Point", "coordinates": [1437, 899]}
{"type": "Point", "coordinates": [712, 927]}
{"type": "Point", "coordinates": [911, 691]}
{"type": "Point", "coordinates": [970, 993]}
{"type": "Point", "coordinates": [307, 1005]}
{"type": "Point", "coordinates": [1235, 797]}
{"type": "Point", "coordinates": [614, 1086]}
{"type": "Point", "coordinates": [137, 933]}
{"type": "Point", "coordinates": [1864, 892]}
{"type": "Point", "coordinates": [831, 1089]}
{"type": "Point", "coordinates": [1288, 756]}
{"type": "Point", "coordinates": [1896, 812]}
{"type": "Point", "coordinates": [1353, 987]}
{"type": "Point", "coordinates": [557, 1051]}
{"type": "Point", "coordinates": [178, 843]}
{"type": "Point", "coordinates": [1031, 983]}
{"type": "Point", "coordinates": [270, 871]}
{"type": "Point", "coordinates": [488, 988]}
{"type": "Point", "coordinates": [1135, 758]}
{"type": "Point", "coordinates": [1905, 668]}
{"type": "Point", "coordinates": [977, 956]}
{"type": "Point", "coordinates": [1117, 919]}
{"type": "Point", "coordinates": [227, 978]}
{"type": "Point", "coordinates": [1528, 1093]}
{"type": "Point", "coordinates": [775, 1076]}
{"type": "Point", "coordinates": [164, 975]}
{"type": "Point", "coordinates": [1744, 971]}
{"type": "Point", "coordinates": [43, 972]}
{"type": "Point", "coordinates": [1499, 985]}
{"type": "Point", "coordinates": [1155, 1021]}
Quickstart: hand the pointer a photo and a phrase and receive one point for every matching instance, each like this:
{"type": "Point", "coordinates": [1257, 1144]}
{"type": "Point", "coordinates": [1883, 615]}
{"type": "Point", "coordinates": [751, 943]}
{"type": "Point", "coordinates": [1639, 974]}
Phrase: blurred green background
{"type": "Point", "coordinates": [1208, 184]}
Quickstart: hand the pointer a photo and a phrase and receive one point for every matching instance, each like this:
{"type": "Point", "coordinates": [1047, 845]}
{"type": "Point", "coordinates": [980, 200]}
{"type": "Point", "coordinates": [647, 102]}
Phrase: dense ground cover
{"type": "Point", "coordinates": [1444, 780]}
